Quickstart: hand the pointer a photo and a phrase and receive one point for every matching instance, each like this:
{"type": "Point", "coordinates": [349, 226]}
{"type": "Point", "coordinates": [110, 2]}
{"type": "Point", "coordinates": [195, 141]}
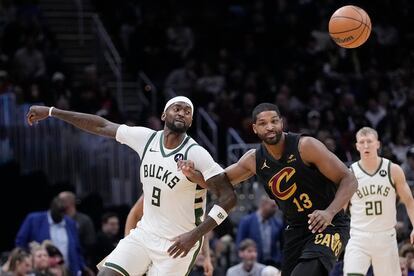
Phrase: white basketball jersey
{"type": "Point", "coordinates": [373, 206]}
{"type": "Point", "coordinates": [172, 204]}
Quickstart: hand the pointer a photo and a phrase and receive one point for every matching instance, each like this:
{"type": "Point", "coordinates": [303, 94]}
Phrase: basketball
{"type": "Point", "coordinates": [349, 26]}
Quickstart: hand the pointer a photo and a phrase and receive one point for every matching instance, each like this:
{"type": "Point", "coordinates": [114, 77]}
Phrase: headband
{"type": "Point", "coordinates": [179, 99]}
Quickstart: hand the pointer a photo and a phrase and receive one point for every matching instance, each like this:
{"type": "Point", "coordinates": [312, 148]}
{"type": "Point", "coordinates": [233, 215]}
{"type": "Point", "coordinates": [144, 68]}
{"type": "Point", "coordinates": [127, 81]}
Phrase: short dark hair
{"type": "Point", "coordinates": [246, 243]}
{"type": "Point", "coordinates": [264, 107]}
{"type": "Point", "coordinates": [106, 216]}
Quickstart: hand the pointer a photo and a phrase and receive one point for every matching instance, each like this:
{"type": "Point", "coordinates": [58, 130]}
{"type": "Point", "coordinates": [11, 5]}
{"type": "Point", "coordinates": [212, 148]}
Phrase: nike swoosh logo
{"type": "Point", "coordinates": [153, 150]}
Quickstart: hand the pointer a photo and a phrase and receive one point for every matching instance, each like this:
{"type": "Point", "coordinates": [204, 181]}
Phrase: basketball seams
{"type": "Point", "coordinates": [347, 17]}
{"type": "Point", "coordinates": [357, 38]}
{"type": "Point", "coordinates": [357, 10]}
{"type": "Point", "coordinates": [344, 28]}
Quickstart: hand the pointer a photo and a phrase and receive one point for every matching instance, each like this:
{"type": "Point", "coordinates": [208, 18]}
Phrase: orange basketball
{"type": "Point", "coordinates": [349, 26]}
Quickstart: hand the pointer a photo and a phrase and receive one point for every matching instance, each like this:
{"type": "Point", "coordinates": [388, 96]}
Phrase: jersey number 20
{"type": "Point", "coordinates": [373, 208]}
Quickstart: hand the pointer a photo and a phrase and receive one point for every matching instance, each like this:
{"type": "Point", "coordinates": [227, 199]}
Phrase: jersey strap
{"type": "Point", "coordinates": [186, 151]}
{"type": "Point", "coordinates": [148, 143]}
{"type": "Point", "coordinates": [389, 174]}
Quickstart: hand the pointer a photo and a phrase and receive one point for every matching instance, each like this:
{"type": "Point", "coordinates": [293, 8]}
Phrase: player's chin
{"type": "Point", "coordinates": [272, 141]}
{"type": "Point", "coordinates": [180, 128]}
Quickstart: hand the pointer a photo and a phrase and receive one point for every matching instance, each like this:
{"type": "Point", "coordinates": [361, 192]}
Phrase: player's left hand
{"type": "Point", "coordinates": [187, 167]}
{"type": "Point", "coordinates": [319, 220]}
{"type": "Point", "coordinates": [412, 237]}
{"type": "Point", "coordinates": [208, 266]}
{"type": "Point", "coordinates": [182, 245]}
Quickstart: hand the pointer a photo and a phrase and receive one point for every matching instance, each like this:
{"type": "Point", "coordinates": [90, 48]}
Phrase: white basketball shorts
{"type": "Point", "coordinates": [142, 252]}
{"type": "Point", "coordinates": [377, 248]}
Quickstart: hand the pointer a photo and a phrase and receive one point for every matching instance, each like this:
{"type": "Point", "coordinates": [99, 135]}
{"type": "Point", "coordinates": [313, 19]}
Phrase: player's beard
{"type": "Point", "coordinates": [179, 128]}
{"type": "Point", "coordinates": [273, 140]}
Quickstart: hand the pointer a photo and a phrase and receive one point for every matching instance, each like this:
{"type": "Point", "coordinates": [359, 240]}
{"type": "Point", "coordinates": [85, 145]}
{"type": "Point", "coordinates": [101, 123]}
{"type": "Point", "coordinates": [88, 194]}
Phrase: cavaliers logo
{"type": "Point", "coordinates": [283, 176]}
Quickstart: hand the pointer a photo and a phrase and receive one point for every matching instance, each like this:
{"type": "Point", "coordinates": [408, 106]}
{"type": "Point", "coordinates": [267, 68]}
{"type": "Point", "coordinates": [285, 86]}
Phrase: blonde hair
{"type": "Point", "coordinates": [35, 246]}
{"type": "Point", "coordinates": [16, 256]}
{"type": "Point", "coordinates": [366, 131]}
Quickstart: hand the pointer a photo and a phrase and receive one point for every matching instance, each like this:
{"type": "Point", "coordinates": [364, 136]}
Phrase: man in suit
{"type": "Point", "coordinates": [265, 229]}
{"type": "Point", "coordinates": [55, 226]}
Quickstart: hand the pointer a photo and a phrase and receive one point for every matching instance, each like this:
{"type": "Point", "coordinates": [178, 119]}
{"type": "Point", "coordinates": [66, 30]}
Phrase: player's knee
{"type": "Point", "coordinates": [108, 272]}
{"type": "Point", "coordinates": [312, 267]}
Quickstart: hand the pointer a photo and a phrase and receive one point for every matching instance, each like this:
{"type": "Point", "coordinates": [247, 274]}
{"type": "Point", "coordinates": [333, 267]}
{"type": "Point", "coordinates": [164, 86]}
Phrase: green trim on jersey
{"type": "Point", "coordinates": [174, 151]}
{"type": "Point", "coordinates": [379, 167]}
{"type": "Point", "coordinates": [194, 256]}
{"type": "Point", "coordinates": [148, 143]}
{"type": "Point", "coordinates": [389, 174]}
{"type": "Point", "coordinates": [117, 268]}
{"type": "Point", "coordinates": [199, 212]}
{"type": "Point", "coordinates": [186, 151]}
{"type": "Point", "coordinates": [198, 188]}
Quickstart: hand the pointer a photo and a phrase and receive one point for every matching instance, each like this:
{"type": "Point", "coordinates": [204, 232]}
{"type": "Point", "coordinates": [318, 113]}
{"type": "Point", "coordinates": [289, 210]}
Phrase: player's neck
{"type": "Point", "coordinates": [371, 163]}
{"type": "Point", "coordinates": [172, 139]}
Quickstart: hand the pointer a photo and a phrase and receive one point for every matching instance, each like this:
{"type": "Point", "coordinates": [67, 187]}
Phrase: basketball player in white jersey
{"type": "Point", "coordinates": [373, 210]}
{"type": "Point", "coordinates": [172, 225]}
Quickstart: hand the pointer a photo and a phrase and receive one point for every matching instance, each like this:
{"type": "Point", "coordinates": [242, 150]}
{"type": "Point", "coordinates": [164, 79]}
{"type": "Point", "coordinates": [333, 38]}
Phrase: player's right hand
{"type": "Point", "coordinates": [37, 113]}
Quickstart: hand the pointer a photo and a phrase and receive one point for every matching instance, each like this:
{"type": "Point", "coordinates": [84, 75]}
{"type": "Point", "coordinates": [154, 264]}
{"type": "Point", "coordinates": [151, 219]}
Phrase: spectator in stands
{"type": "Point", "coordinates": [404, 266]}
{"type": "Point", "coordinates": [407, 252]}
{"type": "Point", "coordinates": [107, 238]}
{"type": "Point", "coordinates": [60, 93]}
{"type": "Point", "coordinates": [408, 166]}
{"type": "Point", "coordinates": [265, 229]}
{"type": "Point", "coordinates": [86, 230]}
{"type": "Point", "coordinates": [249, 265]}
{"type": "Point", "coordinates": [40, 259]}
{"type": "Point", "coordinates": [181, 81]}
{"type": "Point", "coordinates": [54, 225]}
{"type": "Point", "coordinates": [19, 263]}
{"type": "Point", "coordinates": [28, 62]}
{"type": "Point", "coordinates": [180, 38]}
{"type": "Point", "coordinates": [57, 264]}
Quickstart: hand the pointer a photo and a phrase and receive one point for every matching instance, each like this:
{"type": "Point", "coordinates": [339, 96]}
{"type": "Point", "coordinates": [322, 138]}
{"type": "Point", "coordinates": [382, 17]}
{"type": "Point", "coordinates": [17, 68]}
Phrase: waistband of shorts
{"type": "Point", "coordinates": [372, 233]}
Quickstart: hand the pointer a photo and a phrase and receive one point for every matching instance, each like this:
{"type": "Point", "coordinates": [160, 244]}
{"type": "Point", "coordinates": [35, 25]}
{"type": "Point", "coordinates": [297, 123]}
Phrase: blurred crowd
{"type": "Point", "coordinates": [32, 66]}
{"type": "Point", "coordinates": [228, 56]}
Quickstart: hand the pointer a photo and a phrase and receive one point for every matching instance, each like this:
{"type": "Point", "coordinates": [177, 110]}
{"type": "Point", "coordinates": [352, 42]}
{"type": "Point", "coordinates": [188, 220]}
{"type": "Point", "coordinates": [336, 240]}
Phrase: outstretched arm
{"type": "Point", "coordinates": [313, 152]}
{"type": "Point", "coordinates": [87, 122]}
{"type": "Point", "coordinates": [404, 192]}
{"type": "Point", "coordinates": [134, 215]}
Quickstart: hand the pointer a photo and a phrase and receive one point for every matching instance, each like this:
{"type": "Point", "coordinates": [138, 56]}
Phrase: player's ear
{"type": "Point", "coordinates": [163, 115]}
{"type": "Point", "coordinates": [254, 128]}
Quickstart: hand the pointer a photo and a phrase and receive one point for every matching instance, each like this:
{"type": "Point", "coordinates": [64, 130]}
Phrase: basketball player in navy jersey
{"type": "Point", "coordinates": [310, 185]}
